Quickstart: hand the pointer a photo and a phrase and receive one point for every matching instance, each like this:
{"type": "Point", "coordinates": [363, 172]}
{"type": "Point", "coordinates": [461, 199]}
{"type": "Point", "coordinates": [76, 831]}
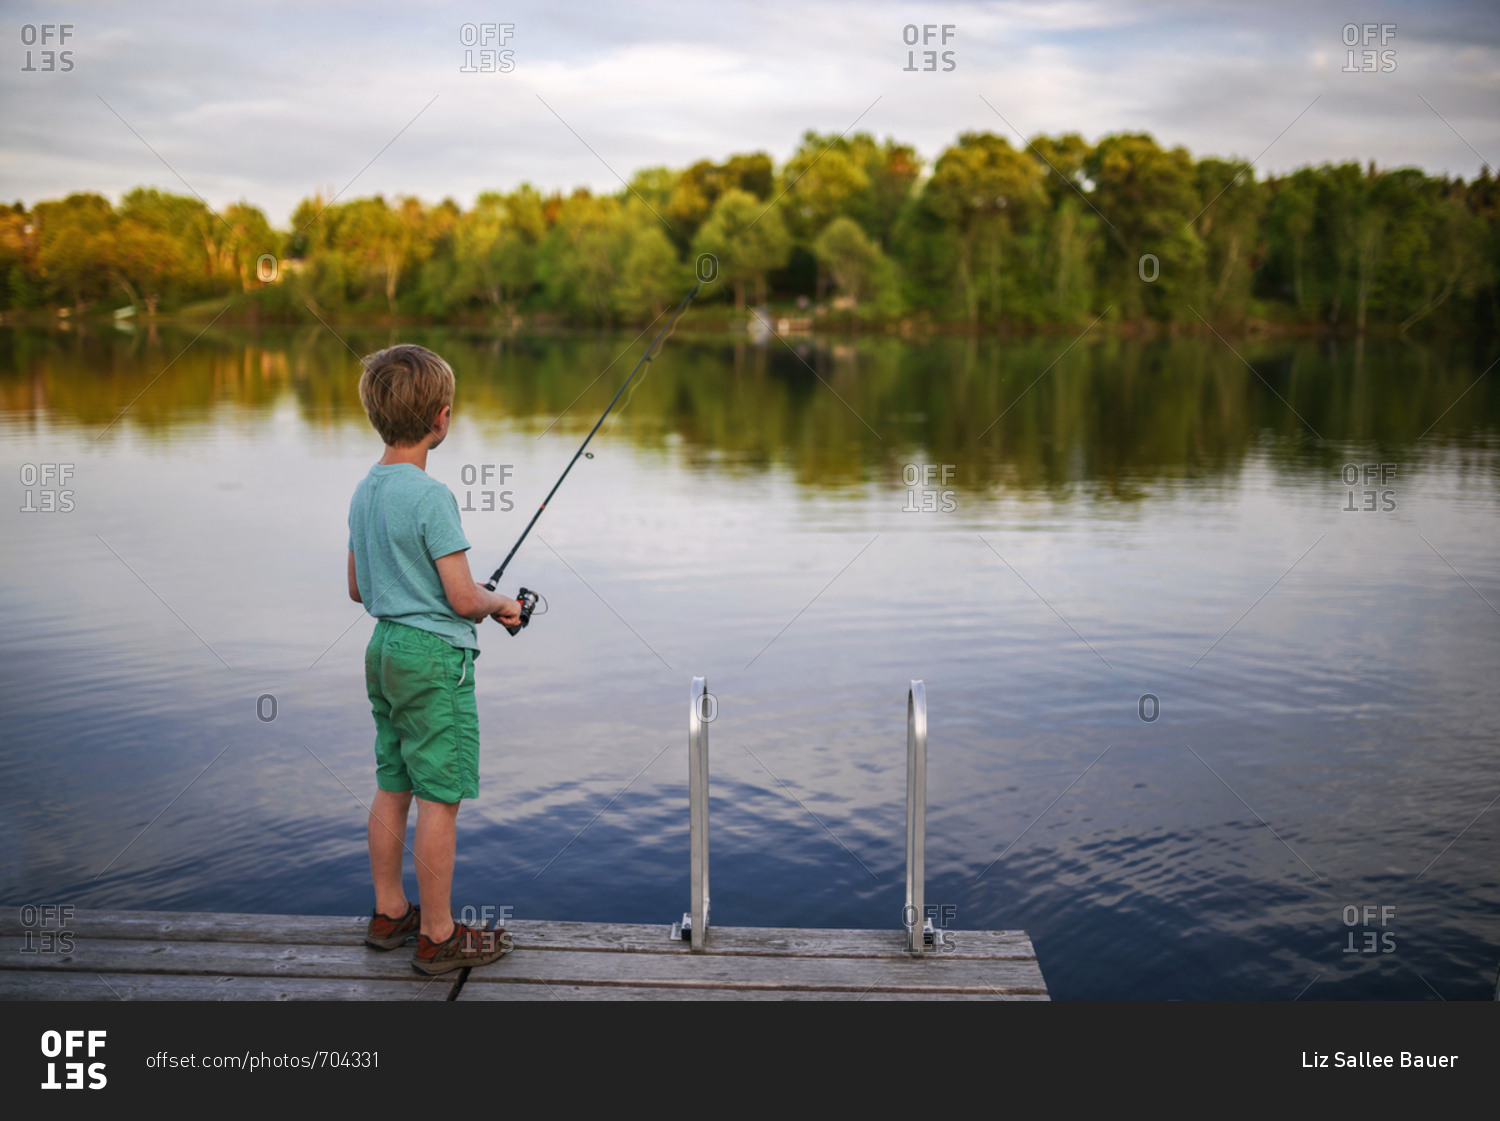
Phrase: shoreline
{"type": "Point", "coordinates": [784, 323]}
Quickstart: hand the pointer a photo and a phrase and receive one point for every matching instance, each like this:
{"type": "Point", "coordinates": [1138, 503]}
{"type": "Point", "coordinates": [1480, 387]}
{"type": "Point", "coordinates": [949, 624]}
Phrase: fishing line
{"type": "Point", "coordinates": [671, 330]}
{"type": "Point", "coordinates": [529, 599]}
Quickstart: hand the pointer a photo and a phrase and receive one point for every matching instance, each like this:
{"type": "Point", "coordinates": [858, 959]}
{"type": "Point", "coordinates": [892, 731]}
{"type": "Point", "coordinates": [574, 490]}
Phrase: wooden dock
{"type": "Point", "coordinates": [165, 955]}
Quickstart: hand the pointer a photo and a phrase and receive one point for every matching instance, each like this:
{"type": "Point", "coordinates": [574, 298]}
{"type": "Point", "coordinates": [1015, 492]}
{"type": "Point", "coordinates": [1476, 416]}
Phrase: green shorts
{"type": "Point", "coordinates": [426, 725]}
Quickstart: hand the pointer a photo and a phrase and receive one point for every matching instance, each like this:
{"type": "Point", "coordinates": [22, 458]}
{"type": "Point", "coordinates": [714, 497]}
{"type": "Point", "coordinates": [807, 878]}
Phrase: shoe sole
{"type": "Point", "coordinates": [435, 968]}
{"type": "Point", "coordinates": [392, 943]}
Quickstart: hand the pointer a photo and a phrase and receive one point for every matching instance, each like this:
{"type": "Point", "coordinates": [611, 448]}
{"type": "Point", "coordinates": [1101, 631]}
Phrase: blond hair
{"type": "Point", "coordinates": [403, 388]}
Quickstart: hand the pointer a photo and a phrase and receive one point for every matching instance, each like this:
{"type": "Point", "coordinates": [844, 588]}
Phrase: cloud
{"type": "Point", "coordinates": [273, 104]}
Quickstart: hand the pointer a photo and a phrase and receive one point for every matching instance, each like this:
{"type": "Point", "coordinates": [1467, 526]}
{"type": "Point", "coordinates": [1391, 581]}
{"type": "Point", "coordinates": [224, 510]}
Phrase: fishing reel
{"type": "Point", "coordinates": [528, 601]}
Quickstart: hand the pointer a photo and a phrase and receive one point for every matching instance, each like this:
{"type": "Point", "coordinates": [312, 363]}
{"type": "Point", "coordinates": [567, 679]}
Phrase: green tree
{"type": "Point", "coordinates": [203, 262]}
{"type": "Point", "coordinates": [17, 257]}
{"type": "Point", "coordinates": [698, 188]}
{"type": "Point", "coordinates": [1149, 197]}
{"type": "Point", "coordinates": [650, 273]}
{"type": "Point", "coordinates": [377, 242]}
{"type": "Point", "coordinates": [144, 261]}
{"type": "Point", "coordinates": [984, 190]}
{"type": "Point", "coordinates": [848, 176]}
{"type": "Point", "coordinates": [749, 238]}
{"type": "Point", "coordinates": [495, 247]}
{"type": "Point", "coordinates": [581, 260]}
{"type": "Point", "coordinates": [1066, 243]}
{"type": "Point", "coordinates": [1229, 228]}
{"type": "Point", "coordinates": [75, 250]}
{"type": "Point", "coordinates": [855, 262]}
{"type": "Point", "coordinates": [1289, 227]}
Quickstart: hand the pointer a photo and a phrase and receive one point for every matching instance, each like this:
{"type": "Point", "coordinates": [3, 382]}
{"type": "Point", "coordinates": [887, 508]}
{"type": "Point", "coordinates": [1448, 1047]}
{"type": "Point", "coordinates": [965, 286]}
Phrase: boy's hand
{"type": "Point", "coordinates": [468, 597]}
{"type": "Point", "coordinates": [509, 614]}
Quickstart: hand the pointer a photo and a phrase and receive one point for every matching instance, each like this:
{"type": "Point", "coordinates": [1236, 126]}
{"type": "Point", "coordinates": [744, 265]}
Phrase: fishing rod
{"type": "Point", "coordinates": [527, 598]}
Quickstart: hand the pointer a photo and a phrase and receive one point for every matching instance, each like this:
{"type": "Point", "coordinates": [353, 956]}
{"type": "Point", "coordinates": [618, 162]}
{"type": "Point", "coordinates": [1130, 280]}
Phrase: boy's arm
{"type": "Point", "coordinates": [468, 598]}
{"type": "Point", "coordinates": [353, 583]}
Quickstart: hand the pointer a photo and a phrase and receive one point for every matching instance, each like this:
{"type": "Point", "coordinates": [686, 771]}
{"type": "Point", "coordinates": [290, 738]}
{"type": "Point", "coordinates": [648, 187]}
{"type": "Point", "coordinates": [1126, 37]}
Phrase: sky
{"type": "Point", "coordinates": [271, 102]}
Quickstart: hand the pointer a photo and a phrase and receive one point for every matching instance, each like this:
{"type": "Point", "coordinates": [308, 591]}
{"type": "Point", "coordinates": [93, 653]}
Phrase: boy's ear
{"type": "Point", "coordinates": [445, 414]}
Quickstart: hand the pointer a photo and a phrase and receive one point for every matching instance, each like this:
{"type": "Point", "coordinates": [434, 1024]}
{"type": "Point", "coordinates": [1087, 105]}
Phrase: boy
{"type": "Point", "coordinates": [408, 566]}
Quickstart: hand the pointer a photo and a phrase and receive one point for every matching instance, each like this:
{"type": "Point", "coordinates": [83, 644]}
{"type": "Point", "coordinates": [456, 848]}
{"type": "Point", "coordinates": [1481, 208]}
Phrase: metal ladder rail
{"type": "Point", "coordinates": [694, 923]}
{"type": "Point", "coordinates": [919, 933]}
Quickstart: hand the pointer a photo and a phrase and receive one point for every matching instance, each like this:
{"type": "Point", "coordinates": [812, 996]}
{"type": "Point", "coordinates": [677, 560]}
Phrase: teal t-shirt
{"type": "Point", "coordinates": [401, 520]}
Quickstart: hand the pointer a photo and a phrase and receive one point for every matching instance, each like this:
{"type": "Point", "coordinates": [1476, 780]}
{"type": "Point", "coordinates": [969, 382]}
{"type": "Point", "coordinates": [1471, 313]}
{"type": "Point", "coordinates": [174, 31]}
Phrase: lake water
{"type": "Point", "coordinates": [1100, 520]}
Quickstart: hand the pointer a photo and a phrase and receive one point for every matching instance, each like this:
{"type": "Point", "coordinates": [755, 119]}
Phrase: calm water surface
{"type": "Point", "coordinates": [1127, 519]}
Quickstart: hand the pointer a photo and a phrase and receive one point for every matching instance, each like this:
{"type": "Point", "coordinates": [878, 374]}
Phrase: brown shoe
{"type": "Point", "coordinates": [386, 933]}
{"type": "Point", "coordinates": [466, 946]}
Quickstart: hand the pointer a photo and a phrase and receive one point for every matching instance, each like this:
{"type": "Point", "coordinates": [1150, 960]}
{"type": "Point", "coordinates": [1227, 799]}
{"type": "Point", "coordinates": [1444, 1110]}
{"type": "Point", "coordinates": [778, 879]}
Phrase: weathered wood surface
{"type": "Point", "coordinates": [241, 959]}
{"type": "Point", "coordinates": [18, 984]}
{"type": "Point", "coordinates": [562, 991]}
{"type": "Point", "coordinates": [187, 956]}
{"type": "Point", "coordinates": [329, 930]}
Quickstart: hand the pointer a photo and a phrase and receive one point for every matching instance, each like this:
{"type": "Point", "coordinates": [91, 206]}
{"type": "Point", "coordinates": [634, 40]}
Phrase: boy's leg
{"type": "Point", "coordinates": [431, 690]}
{"type": "Point", "coordinates": [388, 812]}
{"type": "Point", "coordinates": [436, 832]}
{"type": "Point", "coordinates": [387, 844]}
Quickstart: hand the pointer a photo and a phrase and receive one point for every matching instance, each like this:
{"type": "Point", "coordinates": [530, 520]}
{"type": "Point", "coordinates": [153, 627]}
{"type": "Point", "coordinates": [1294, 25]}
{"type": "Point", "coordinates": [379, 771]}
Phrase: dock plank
{"type": "Point", "coordinates": [202, 926]}
{"type": "Point", "coordinates": [251, 959]}
{"type": "Point", "coordinates": [173, 926]}
{"type": "Point", "coordinates": [241, 959]}
{"type": "Point", "coordinates": [205, 956]}
{"type": "Point", "coordinates": [728, 971]}
{"type": "Point", "coordinates": [57, 985]}
{"type": "Point", "coordinates": [563, 991]}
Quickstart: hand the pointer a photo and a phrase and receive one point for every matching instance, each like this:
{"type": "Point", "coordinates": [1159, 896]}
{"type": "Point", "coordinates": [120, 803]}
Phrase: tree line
{"type": "Point", "coordinates": [1060, 233]}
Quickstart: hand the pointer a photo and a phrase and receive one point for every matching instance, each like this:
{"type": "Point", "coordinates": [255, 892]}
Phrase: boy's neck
{"type": "Point", "coordinates": [415, 454]}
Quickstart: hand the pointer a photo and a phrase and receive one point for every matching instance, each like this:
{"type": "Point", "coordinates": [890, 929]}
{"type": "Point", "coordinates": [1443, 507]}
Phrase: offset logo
{"type": "Point", "coordinates": [926, 35]}
{"type": "Point", "coordinates": [481, 474]}
{"type": "Point", "coordinates": [1377, 485]}
{"type": "Point", "coordinates": [1371, 59]}
{"type": "Point", "coordinates": [1362, 937]}
{"type": "Point", "coordinates": [487, 40]}
{"type": "Point", "coordinates": [49, 36]}
{"type": "Point", "coordinates": [938, 936]}
{"type": "Point", "coordinates": [66, 1045]}
{"type": "Point", "coordinates": [44, 928]}
{"type": "Point", "coordinates": [922, 478]}
{"type": "Point", "coordinates": [46, 488]}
